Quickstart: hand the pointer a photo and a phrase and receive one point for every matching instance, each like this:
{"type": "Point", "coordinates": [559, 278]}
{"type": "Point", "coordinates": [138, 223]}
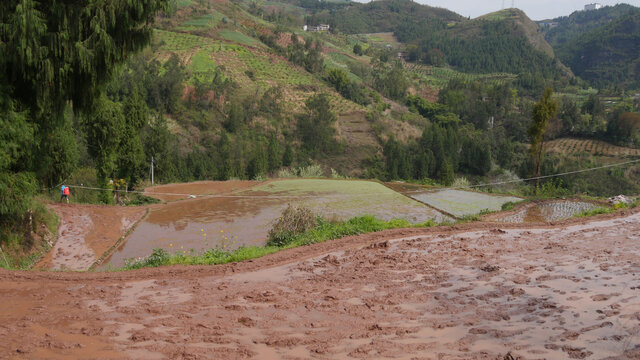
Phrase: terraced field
{"type": "Point", "coordinates": [243, 216]}
{"type": "Point", "coordinates": [596, 147]}
{"type": "Point", "coordinates": [343, 199]}
{"type": "Point", "coordinates": [253, 68]}
{"type": "Point", "coordinates": [462, 203]}
{"type": "Point", "coordinates": [439, 76]}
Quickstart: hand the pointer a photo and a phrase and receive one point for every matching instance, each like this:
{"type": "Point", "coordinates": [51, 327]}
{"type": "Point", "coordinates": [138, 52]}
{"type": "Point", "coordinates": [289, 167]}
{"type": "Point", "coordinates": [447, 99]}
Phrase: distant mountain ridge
{"type": "Point", "coordinates": [601, 46]}
{"type": "Point", "coordinates": [506, 41]}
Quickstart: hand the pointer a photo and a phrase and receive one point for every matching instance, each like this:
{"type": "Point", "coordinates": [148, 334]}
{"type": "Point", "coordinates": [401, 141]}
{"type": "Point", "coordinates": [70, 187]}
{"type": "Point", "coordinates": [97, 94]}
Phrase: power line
{"type": "Point", "coordinates": [356, 195]}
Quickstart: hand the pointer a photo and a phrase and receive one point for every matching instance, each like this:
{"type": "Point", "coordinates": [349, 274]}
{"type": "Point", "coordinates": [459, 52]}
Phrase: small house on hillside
{"type": "Point", "coordinates": [594, 6]}
{"type": "Point", "coordinates": [312, 28]}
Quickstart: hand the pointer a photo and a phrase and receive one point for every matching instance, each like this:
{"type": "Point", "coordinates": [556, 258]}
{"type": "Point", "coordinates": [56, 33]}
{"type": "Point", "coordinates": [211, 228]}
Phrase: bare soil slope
{"type": "Point", "coordinates": [86, 232]}
{"type": "Point", "coordinates": [479, 291]}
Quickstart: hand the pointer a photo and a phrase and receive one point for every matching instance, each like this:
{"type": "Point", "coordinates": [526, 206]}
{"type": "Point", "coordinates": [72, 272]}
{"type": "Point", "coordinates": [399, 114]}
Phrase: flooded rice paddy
{"type": "Point", "coordinates": [549, 211]}
{"type": "Point", "coordinates": [244, 214]}
{"type": "Point", "coordinates": [461, 203]}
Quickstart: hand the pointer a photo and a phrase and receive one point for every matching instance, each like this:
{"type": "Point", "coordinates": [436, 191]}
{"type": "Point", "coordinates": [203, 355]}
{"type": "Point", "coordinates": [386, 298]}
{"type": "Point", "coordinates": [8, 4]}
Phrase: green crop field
{"type": "Point", "coordinates": [174, 41]}
{"type": "Point", "coordinates": [238, 37]}
{"type": "Point", "coordinates": [205, 20]}
{"type": "Point", "coordinates": [438, 77]}
{"type": "Point", "coordinates": [462, 203]}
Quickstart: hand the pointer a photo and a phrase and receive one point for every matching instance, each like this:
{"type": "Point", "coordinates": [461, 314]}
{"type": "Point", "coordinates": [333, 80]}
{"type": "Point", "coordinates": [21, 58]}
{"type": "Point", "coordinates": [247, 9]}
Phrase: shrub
{"type": "Point", "coordinates": [294, 220]}
{"type": "Point", "coordinates": [461, 183]}
{"type": "Point", "coordinates": [337, 175]}
{"type": "Point", "coordinates": [596, 211]}
{"type": "Point", "coordinates": [508, 205]}
{"type": "Point", "coordinates": [157, 258]}
{"type": "Point", "coordinates": [310, 171]}
{"type": "Point", "coordinates": [288, 173]}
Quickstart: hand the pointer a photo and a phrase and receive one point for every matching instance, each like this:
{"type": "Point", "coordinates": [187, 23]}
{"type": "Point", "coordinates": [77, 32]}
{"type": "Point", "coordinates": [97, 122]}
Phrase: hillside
{"type": "Point", "coordinates": [520, 25]}
{"type": "Point", "coordinates": [601, 46]}
{"type": "Point", "coordinates": [503, 42]}
{"type": "Point", "coordinates": [377, 16]}
{"type": "Point", "coordinates": [265, 62]}
{"type": "Point", "coordinates": [569, 28]}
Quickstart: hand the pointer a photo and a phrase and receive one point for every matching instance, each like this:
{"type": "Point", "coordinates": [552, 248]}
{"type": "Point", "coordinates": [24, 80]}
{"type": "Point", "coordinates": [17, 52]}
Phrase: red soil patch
{"type": "Point", "coordinates": [172, 192]}
{"type": "Point", "coordinates": [478, 291]}
{"type": "Point", "coordinates": [86, 232]}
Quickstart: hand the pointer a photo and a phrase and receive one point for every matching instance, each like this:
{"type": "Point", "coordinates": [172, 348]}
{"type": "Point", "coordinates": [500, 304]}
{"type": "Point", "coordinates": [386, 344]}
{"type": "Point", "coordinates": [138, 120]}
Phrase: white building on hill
{"type": "Point", "coordinates": [594, 6]}
{"type": "Point", "coordinates": [321, 27]}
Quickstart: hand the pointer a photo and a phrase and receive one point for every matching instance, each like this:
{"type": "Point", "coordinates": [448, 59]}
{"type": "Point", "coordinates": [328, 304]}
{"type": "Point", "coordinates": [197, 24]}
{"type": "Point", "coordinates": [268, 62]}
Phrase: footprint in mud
{"type": "Point", "coordinates": [603, 297]}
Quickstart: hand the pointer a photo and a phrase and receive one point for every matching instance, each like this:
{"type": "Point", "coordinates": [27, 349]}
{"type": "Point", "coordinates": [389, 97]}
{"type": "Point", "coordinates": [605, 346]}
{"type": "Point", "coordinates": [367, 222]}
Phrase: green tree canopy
{"type": "Point", "coordinates": [55, 51]}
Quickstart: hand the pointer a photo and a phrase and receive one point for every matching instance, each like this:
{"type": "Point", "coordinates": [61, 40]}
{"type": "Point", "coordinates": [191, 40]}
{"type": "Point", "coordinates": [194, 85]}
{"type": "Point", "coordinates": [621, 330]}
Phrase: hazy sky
{"type": "Point", "coordinates": [535, 9]}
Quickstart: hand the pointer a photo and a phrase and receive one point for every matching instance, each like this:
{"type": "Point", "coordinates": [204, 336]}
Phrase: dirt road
{"type": "Point", "coordinates": [480, 291]}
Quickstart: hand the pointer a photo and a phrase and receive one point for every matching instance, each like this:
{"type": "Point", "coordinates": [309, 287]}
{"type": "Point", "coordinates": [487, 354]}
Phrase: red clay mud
{"type": "Point", "coordinates": [86, 232]}
{"type": "Point", "coordinates": [477, 291]}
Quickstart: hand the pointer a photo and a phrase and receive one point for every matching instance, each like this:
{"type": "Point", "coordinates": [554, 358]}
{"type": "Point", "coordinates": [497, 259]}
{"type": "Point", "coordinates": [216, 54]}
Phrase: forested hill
{"type": "Point", "coordinates": [503, 41]}
{"type": "Point", "coordinates": [601, 46]}
{"type": "Point", "coordinates": [569, 28]}
{"type": "Point", "coordinates": [376, 16]}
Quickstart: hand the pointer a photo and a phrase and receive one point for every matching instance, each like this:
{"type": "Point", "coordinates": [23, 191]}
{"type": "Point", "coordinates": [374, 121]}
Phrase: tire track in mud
{"type": "Point", "coordinates": [475, 291]}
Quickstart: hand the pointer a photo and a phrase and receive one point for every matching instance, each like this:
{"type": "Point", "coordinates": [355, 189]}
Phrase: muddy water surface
{"type": "Point", "coordinates": [171, 192]}
{"type": "Point", "coordinates": [243, 218]}
{"type": "Point", "coordinates": [199, 224]}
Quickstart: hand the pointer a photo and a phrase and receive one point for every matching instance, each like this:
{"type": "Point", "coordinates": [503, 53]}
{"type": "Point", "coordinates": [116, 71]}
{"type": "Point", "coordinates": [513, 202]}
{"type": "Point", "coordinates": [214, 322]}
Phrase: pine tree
{"type": "Point", "coordinates": [224, 156]}
{"type": "Point", "coordinates": [445, 173]}
{"type": "Point", "coordinates": [287, 157]}
{"type": "Point", "coordinates": [274, 153]}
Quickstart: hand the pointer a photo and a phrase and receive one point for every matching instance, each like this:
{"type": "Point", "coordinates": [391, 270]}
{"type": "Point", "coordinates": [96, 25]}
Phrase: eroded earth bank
{"type": "Point", "coordinates": [478, 291]}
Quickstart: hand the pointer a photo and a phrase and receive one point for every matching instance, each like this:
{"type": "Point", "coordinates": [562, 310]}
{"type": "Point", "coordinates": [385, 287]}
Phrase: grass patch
{"type": "Point", "coordinates": [323, 231]}
{"type": "Point", "coordinates": [607, 210]}
{"type": "Point", "coordinates": [596, 211]}
{"type": "Point", "coordinates": [509, 205]}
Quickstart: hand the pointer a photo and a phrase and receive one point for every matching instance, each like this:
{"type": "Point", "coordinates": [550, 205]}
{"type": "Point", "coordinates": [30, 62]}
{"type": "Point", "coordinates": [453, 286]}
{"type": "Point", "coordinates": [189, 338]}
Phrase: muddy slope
{"type": "Point", "coordinates": [480, 291]}
{"type": "Point", "coordinates": [86, 232]}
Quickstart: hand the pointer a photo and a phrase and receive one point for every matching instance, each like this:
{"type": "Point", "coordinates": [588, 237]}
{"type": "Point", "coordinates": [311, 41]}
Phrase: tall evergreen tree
{"type": "Point", "coordinates": [287, 157]}
{"type": "Point", "coordinates": [543, 111]}
{"type": "Point", "coordinates": [274, 153]}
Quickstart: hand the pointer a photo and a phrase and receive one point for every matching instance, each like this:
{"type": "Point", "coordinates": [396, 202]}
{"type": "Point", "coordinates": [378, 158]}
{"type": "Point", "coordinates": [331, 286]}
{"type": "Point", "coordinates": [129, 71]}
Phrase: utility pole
{"type": "Point", "coordinates": [152, 170]}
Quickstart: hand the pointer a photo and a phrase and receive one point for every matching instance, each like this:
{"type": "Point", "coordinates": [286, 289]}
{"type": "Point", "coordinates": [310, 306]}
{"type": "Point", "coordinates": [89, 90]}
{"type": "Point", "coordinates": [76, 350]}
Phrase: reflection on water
{"type": "Point", "coordinates": [201, 224]}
